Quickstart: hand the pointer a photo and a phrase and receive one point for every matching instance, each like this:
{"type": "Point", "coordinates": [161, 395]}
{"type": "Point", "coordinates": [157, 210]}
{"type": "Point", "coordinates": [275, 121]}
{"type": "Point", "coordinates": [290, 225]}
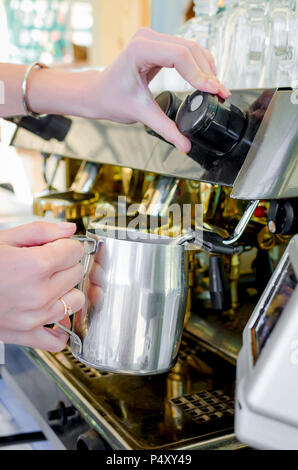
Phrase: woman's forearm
{"type": "Point", "coordinates": [11, 77]}
{"type": "Point", "coordinates": [49, 91]}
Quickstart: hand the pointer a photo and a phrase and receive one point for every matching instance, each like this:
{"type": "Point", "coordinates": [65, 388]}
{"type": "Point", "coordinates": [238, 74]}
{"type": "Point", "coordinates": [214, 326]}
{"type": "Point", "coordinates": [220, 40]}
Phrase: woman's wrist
{"type": "Point", "coordinates": [53, 91]}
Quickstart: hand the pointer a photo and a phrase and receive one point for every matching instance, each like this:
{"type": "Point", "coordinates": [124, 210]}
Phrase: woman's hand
{"type": "Point", "coordinates": [39, 264]}
{"type": "Point", "coordinates": [121, 92]}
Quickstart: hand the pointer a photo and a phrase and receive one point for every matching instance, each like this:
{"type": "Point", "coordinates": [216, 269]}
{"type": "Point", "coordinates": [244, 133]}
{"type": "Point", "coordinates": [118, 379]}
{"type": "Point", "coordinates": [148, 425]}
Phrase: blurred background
{"type": "Point", "coordinates": [91, 31]}
{"type": "Point", "coordinates": [255, 43]}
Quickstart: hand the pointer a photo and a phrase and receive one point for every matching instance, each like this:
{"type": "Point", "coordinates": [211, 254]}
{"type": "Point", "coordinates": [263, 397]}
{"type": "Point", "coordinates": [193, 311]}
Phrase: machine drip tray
{"type": "Point", "coordinates": [207, 407]}
{"type": "Point", "coordinates": [188, 408]}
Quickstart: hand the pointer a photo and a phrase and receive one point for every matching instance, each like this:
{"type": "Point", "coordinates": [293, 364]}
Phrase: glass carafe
{"type": "Point", "coordinates": [245, 42]}
{"type": "Point", "coordinates": [282, 69]}
{"type": "Point", "coordinates": [208, 26]}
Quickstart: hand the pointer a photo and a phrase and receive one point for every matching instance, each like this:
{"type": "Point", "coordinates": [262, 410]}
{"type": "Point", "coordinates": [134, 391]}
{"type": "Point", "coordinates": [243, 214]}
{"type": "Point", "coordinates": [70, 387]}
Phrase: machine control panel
{"type": "Point", "coordinates": [266, 414]}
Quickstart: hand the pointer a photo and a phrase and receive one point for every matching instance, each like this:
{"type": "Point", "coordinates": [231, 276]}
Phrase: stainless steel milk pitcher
{"type": "Point", "coordinates": [136, 293]}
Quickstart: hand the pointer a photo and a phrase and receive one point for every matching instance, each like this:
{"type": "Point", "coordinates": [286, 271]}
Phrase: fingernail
{"type": "Point", "coordinates": [66, 225]}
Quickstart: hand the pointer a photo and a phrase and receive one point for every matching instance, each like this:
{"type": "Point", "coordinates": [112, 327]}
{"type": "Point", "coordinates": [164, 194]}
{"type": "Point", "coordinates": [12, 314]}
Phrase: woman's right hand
{"type": "Point", "coordinates": [39, 265]}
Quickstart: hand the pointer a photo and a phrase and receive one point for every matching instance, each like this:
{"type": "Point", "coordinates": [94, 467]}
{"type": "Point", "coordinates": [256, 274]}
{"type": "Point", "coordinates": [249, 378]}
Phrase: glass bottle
{"type": "Point", "coordinates": [245, 44]}
{"type": "Point", "coordinates": [261, 45]}
{"type": "Point", "coordinates": [282, 69]}
{"type": "Point", "coordinates": [207, 27]}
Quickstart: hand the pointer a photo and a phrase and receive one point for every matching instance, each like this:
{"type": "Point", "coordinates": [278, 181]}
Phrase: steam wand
{"type": "Point", "coordinates": [248, 213]}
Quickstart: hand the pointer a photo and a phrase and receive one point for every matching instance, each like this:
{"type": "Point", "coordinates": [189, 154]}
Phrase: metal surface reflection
{"type": "Point", "coordinates": [133, 319]}
{"type": "Point", "coordinates": [130, 146]}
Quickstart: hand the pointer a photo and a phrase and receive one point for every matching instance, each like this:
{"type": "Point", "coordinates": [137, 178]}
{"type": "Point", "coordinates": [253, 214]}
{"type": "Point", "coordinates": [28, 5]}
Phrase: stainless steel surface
{"type": "Point", "coordinates": [85, 177]}
{"type": "Point", "coordinates": [242, 224]}
{"type": "Point", "coordinates": [159, 196]}
{"type": "Point", "coordinates": [137, 291]}
{"type": "Point", "coordinates": [39, 394]}
{"type": "Point", "coordinates": [128, 412]}
{"type": "Point", "coordinates": [130, 146]}
{"type": "Point", "coordinates": [214, 334]}
{"type": "Point", "coordinates": [184, 238]}
{"type": "Point", "coordinates": [219, 332]}
{"type": "Point", "coordinates": [270, 170]}
{"type": "Point", "coordinates": [227, 442]}
{"type": "Point", "coordinates": [75, 338]}
{"type": "Point", "coordinates": [86, 260]}
{"type": "Point", "coordinates": [78, 201]}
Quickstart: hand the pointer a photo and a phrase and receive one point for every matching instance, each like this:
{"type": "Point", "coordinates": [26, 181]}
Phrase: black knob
{"type": "Point", "coordinates": [62, 414]}
{"type": "Point", "coordinates": [219, 289]}
{"type": "Point", "coordinates": [91, 440]}
{"type": "Point", "coordinates": [169, 103]}
{"type": "Point", "coordinates": [283, 216]}
{"type": "Point", "coordinates": [208, 121]}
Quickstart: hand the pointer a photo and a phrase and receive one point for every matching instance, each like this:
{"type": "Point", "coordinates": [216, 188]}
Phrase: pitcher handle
{"type": "Point", "coordinates": [96, 243]}
{"type": "Point", "coordinates": [76, 338]}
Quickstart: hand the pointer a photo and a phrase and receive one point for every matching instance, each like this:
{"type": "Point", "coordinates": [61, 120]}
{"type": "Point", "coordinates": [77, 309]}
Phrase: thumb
{"type": "Point", "coordinates": [37, 233]}
{"type": "Point", "coordinates": [157, 120]}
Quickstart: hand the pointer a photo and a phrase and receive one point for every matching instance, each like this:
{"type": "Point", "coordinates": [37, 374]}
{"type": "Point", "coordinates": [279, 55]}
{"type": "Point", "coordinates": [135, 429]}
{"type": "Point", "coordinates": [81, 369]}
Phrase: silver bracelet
{"type": "Point", "coordinates": [29, 112]}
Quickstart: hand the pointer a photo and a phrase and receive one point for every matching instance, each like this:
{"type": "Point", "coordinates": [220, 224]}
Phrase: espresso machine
{"type": "Point", "coordinates": [242, 169]}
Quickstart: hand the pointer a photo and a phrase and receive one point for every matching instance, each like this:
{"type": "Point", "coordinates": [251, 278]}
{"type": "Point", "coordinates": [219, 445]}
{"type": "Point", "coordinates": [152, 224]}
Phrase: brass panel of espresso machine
{"type": "Point", "coordinates": [241, 170]}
